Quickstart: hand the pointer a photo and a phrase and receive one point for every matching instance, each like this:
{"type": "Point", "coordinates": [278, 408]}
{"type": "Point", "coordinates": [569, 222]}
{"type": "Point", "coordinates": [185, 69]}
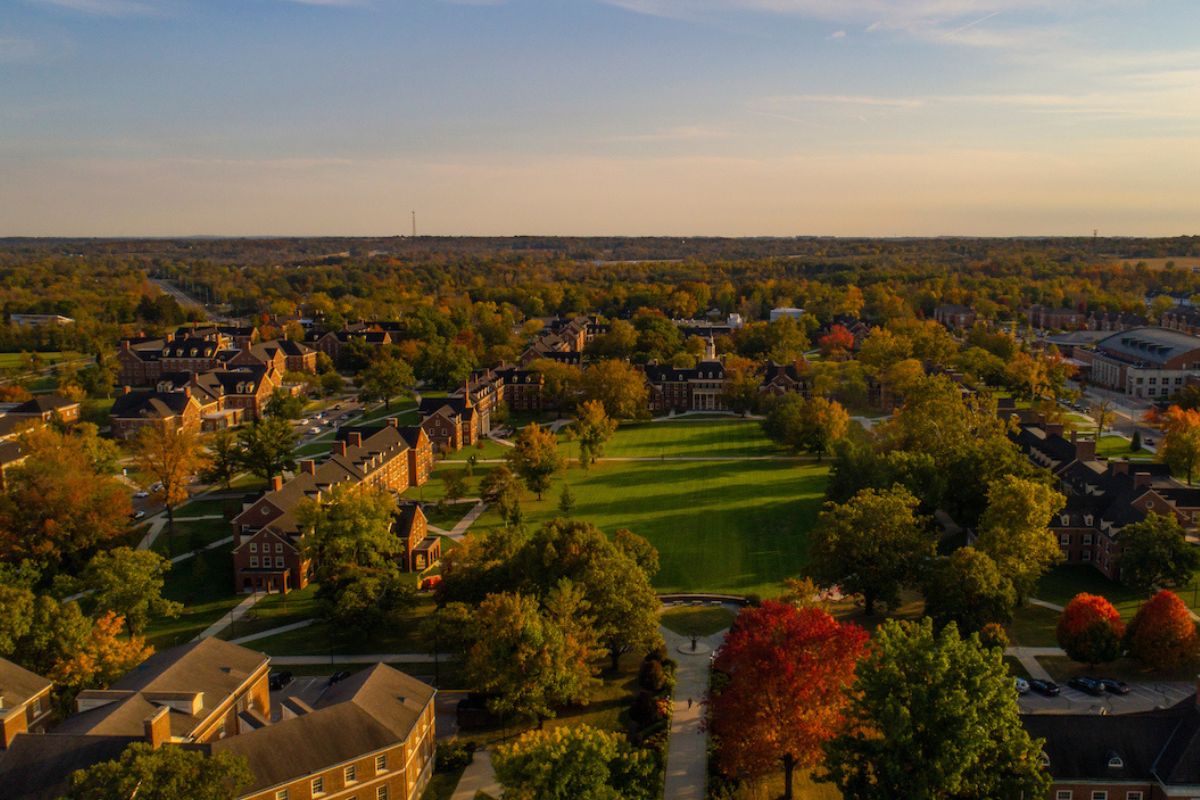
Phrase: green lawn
{"type": "Point", "coordinates": [274, 611]}
{"type": "Point", "coordinates": [17, 360]}
{"type": "Point", "coordinates": [190, 536]}
{"type": "Point", "coordinates": [737, 527]}
{"type": "Point", "coordinates": [697, 620]}
{"type": "Point", "coordinates": [402, 637]}
{"type": "Point", "coordinates": [1062, 583]}
{"type": "Point", "coordinates": [1118, 447]}
{"type": "Point", "coordinates": [706, 437]}
{"type": "Point", "coordinates": [206, 593]}
{"type": "Point", "coordinates": [1033, 626]}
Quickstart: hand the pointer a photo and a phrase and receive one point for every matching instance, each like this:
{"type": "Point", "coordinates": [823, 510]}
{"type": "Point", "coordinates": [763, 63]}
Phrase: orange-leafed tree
{"type": "Point", "coordinates": [1180, 445]}
{"type": "Point", "coordinates": [105, 656]}
{"type": "Point", "coordinates": [1090, 630]}
{"type": "Point", "coordinates": [1162, 633]}
{"type": "Point", "coordinates": [837, 343]}
{"type": "Point", "coordinates": [779, 694]}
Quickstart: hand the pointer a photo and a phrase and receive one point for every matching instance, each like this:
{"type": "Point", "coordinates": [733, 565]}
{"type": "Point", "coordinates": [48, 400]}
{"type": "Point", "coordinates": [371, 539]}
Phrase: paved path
{"type": "Point", "coordinates": [1028, 656]}
{"type": "Point", "coordinates": [295, 626]}
{"type": "Point", "coordinates": [365, 658]}
{"type": "Point", "coordinates": [234, 615]}
{"type": "Point", "coordinates": [1033, 601]}
{"type": "Point", "coordinates": [478, 777]}
{"type": "Point", "coordinates": [687, 753]}
{"type": "Point", "coordinates": [212, 546]}
{"type": "Point", "coordinates": [460, 529]}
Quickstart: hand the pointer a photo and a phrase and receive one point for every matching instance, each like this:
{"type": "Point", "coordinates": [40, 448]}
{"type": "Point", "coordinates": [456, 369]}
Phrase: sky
{"type": "Point", "coordinates": [599, 117]}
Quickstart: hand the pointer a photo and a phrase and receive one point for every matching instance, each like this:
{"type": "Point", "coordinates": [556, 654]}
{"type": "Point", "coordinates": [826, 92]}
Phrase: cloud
{"type": "Point", "coordinates": [680, 133]}
{"type": "Point", "coordinates": [837, 35]}
{"type": "Point", "coordinates": [109, 8]}
{"type": "Point", "coordinates": [335, 3]}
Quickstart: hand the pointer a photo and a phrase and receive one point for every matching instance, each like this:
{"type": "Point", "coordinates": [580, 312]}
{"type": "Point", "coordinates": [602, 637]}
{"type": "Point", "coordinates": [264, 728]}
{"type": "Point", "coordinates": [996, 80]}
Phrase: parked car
{"type": "Point", "coordinates": [1149, 442]}
{"type": "Point", "coordinates": [142, 494]}
{"type": "Point", "coordinates": [1022, 686]}
{"type": "Point", "coordinates": [138, 514]}
{"type": "Point", "coordinates": [156, 487]}
{"type": "Point", "coordinates": [278, 680]}
{"type": "Point", "coordinates": [314, 430]}
{"type": "Point", "coordinates": [1047, 688]}
{"type": "Point", "coordinates": [340, 675]}
{"type": "Point", "coordinates": [1113, 685]}
{"type": "Point", "coordinates": [1087, 685]}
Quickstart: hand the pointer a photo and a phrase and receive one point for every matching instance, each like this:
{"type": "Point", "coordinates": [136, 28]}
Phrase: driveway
{"type": "Point", "coordinates": [1141, 697]}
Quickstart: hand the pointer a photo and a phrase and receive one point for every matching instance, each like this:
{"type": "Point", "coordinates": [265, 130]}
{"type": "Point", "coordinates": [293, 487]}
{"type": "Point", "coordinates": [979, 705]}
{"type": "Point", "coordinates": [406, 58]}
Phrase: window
{"type": "Point", "coordinates": [1133, 796]}
{"type": "Point", "coordinates": [1064, 539]}
{"type": "Point", "coordinates": [282, 794]}
{"type": "Point", "coordinates": [1087, 538]}
{"type": "Point", "coordinates": [1087, 555]}
{"type": "Point", "coordinates": [318, 786]}
{"type": "Point", "coordinates": [381, 793]}
{"type": "Point", "coordinates": [1063, 794]}
{"type": "Point", "coordinates": [278, 547]}
{"type": "Point", "coordinates": [381, 763]}
{"type": "Point", "coordinates": [253, 561]}
{"type": "Point", "coordinates": [254, 547]}
{"type": "Point", "coordinates": [351, 773]}
{"type": "Point", "coordinates": [1101, 795]}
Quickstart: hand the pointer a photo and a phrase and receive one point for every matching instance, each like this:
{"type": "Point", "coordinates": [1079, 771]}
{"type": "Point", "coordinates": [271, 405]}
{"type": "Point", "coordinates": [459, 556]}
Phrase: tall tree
{"type": "Point", "coordinates": [576, 762]}
{"type": "Point", "coordinates": [593, 428]}
{"type": "Point", "coordinates": [560, 382]}
{"type": "Point", "coordinates": [837, 343]}
{"type": "Point", "coordinates": [535, 457]}
{"type": "Point", "coordinates": [1014, 532]}
{"type": "Point", "coordinates": [1162, 633]}
{"type": "Point", "coordinates": [1155, 552]}
{"type": "Point", "coordinates": [130, 582]}
{"type": "Point", "coordinates": [741, 391]}
{"type": "Point", "coordinates": [1102, 412]}
{"type": "Point", "coordinates": [224, 457]}
{"type": "Point", "coordinates": [267, 447]}
{"type": "Point", "coordinates": [872, 545]}
{"type": "Point", "coordinates": [813, 425]}
{"type": "Point", "coordinates": [1090, 630]}
{"type": "Point", "coordinates": [385, 378]}
{"type": "Point", "coordinates": [165, 773]}
{"type": "Point", "coordinates": [619, 387]}
{"type": "Point", "coordinates": [1179, 447]}
{"type": "Point", "coordinates": [284, 404]}
{"type": "Point", "coordinates": [784, 691]}
{"type": "Point", "coordinates": [172, 457]}
{"type": "Point", "coordinates": [103, 656]}
{"type": "Point", "coordinates": [968, 589]}
{"type": "Point", "coordinates": [913, 732]}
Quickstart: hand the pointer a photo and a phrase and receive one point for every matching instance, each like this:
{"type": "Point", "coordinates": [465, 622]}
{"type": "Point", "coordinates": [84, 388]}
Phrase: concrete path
{"type": "Point", "coordinates": [365, 658]}
{"type": "Point", "coordinates": [687, 753]}
{"type": "Point", "coordinates": [1033, 601]}
{"type": "Point", "coordinates": [234, 615]}
{"type": "Point", "coordinates": [464, 524]}
{"type": "Point", "coordinates": [213, 546]}
{"type": "Point", "coordinates": [478, 777]}
{"type": "Point", "coordinates": [1028, 656]}
{"type": "Point", "coordinates": [295, 626]}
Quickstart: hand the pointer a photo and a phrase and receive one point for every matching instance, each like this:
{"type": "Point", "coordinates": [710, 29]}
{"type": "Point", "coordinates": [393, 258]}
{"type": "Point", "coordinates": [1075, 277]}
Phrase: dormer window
{"type": "Point", "coordinates": [1115, 761]}
{"type": "Point", "coordinates": [1044, 759]}
{"type": "Point", "coordinates": [1065, 519]}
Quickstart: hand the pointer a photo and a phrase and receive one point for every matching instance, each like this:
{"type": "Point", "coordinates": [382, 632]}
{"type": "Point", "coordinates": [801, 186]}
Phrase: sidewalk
{"type": "Point", "coordinates": [687, 753]}
{"type": "Point", "coordinates": [1028, 656]}
{"type": "Point", "coordinates": [234, 615]}
{"type": "Point", "coordinates": [478, 777]}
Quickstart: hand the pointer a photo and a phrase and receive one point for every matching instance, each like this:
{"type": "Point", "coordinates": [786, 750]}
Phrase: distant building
{"type": "Point", "coordinates": [1146, 362]}
{"type": "Point", "coordinates": [1056, 319]}
{"type": "Point", "coordinates": [39, 320]}
{"type": "Point", "coordinates": [698, 388]}
{"type": "Point", "coordinates": [786, 311]}
{"type": "Point", "coordinates": [955, 317]}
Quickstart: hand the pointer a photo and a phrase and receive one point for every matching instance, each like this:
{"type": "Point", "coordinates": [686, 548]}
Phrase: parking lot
{"type": "Point", "coordinates": [1141, 697]}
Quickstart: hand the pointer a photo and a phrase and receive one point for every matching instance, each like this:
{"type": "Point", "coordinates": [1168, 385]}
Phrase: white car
{"type": "Point", "coordinates": [141, 494]}
{"type": "Point", "coordinates": [314, 430]}
{"type": "Point", "coordinates": [139, 514]}
{"type": "Point", "coordinates": [1022, 685]}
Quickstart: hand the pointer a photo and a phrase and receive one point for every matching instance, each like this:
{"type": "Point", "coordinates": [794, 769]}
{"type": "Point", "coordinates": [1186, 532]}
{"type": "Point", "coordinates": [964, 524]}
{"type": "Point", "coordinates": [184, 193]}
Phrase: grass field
{"type": "Point", "coordinates": [738, 527]}
{"type": "Point", "coordinates": [709, 437]}
{"type": "Point", "coordinates": [17, 360]}
{"type": "Point", "coordinates": [1118, 447]}
{"type": "Point", "coordinates": [697, 620]}
{"type": "Point", "coordinates": [206, 592]}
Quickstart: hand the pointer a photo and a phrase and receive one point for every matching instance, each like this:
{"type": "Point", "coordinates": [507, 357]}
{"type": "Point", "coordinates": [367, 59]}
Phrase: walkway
{"type": "Point", "coordinates": [687, 753]}
{"type": "Point", "coordinates": [464, 524]}
{"type": "Point", "coordinates": [478, 777]}
{"type": "Point", "coordinates": [236, 613]}
{"type": "Point", "coordinates": [364, 658]}
{"type": "Point", "coordinates": [253, 637]}
{"type": "Point", "coordinates": [1028, 656]}
{"type": "Point", "coordinates": [210, 546]}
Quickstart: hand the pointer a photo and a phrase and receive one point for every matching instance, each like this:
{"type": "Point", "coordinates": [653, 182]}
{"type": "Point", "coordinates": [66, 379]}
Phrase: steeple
{"type": "Point", "coordinates": [467, 391]}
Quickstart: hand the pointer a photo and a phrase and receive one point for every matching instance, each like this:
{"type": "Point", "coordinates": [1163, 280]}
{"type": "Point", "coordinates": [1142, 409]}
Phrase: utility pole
{"type": "Point", "coordinates": [414, 224]}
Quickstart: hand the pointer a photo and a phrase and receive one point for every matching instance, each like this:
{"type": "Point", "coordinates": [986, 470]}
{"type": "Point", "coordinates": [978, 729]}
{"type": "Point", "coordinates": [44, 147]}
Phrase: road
{"type": "Point", "coordinates": [187, 301]}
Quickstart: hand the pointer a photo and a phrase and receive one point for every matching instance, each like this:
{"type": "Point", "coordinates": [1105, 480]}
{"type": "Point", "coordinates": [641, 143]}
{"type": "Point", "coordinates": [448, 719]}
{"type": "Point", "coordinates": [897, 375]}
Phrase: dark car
{"type": "Point", "coordinates": [1047, 688]}
{"type": "Point", "coordinates": [1088, 685]}
{"type": "Point", "coordinates": [340, 675]}
{"type": "Point", "coordinates": [1113, 685]}
{"type": "Point", "coordinates": [278, 680]}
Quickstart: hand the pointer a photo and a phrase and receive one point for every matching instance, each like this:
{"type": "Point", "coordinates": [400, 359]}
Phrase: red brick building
{"type": "Point", "coordinates": [24, 702]}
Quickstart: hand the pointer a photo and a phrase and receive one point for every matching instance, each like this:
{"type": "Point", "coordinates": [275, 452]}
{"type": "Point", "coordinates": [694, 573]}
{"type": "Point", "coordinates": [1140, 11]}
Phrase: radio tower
{"type": "Point", "coordinates": [414, 220]}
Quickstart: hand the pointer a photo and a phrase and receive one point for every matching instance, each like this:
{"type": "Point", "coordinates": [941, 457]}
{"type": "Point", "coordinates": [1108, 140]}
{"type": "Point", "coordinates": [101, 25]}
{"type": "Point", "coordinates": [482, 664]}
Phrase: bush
{"type": "Point", "coordinates": [1162, 633]}
{"type": "Point", "coordinates": [993, 635]}
{"type": "Point", "coordinates": [454, 755]}
{"type": "Point", "coordinates": [657, 654]}
{"type": "Point", "coordinates": [644, 710]}
{"type": "Point", "coordinates": [652, 676]}
{"type": "Point", "coordinates": [1090, 630]}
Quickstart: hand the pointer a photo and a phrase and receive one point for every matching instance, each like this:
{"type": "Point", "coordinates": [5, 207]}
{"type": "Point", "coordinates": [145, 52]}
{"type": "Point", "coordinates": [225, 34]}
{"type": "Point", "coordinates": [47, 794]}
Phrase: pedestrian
{"type": "Point", "coordinates": [689, 702]}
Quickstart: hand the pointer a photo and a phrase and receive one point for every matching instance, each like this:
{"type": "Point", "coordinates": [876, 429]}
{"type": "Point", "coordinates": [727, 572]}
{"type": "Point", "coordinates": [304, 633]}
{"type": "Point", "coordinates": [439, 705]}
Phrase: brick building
{"type": "Point", "coordinates": [955, 317]}
{"type": "Point", "coordinates": [135, 409]}
{"type": "Point", "coordinates": [1146, 362]}
{"type": "Point", "coordinates": [24, 702]}
{"type": "Point", "coordinates": [699, 388]}
{"type": "Point", "coordinates": [1056, 319]}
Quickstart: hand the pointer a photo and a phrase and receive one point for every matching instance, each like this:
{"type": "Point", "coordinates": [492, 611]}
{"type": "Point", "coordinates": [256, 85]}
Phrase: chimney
{"type": "Point", "coordinates": [309, 466]}
{"type": "Point", "coordinates": [393, 422]}
{"type": "Point", "coordinates": [187, 391]}
{"type": "Point", "coordinates": [1054, 429]}
{"type": "Point", "coordinates": [339, 448]}
{"type": "Point", "coordinates": [355, 439]}
{"type": "Point", "coordinates": [276, 483]}
{"type": "Point", "coordinates": [126, 389]}
{"type": "Point", "coordinates": [125, 344]}
{"type": "Point", "coordinates": [1119, 466]}
{"type": "Point", "coordinates": [1141, 479]}
{"type": "Point", "coordinates": [1085, 449]}
{"type": "Point", "coordinates": [158, 727]}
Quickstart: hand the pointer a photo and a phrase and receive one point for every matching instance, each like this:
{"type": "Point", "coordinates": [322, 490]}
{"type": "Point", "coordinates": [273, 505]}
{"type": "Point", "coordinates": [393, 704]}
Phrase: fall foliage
{"type": "Point", "coordinates": [1090, 630]}
{"type": "Point", "coordinates": [1162, 633]}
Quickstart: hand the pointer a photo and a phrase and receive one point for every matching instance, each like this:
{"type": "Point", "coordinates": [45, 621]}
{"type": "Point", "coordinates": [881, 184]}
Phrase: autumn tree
{"type": "Point", "coordinates": [1014, 530]}
{"type": "Point", "coordinates": [968, 589]}
{"type": "Point", "coordinates": [620, 387]}
{"type": "Point", "coordinates": [56, 507]}
{"type": "Point", "coordinates": [913, 732]}
{"type": "Point", "coordinates": [267, 447]}
{"type": "Point", "coordinates": [172, 456]}
{"type": "Point", "coordinates": [1155, 552]}
{"type": "Point", "coordinates": [501, 488]}
{"type": "Point", "coordinates": [812, 425]}
{"type": "Point", "coordinates": [1102, 412]}
{"type": "Point", "coordinates": [871, 545]}
{"type": "Point", "coordinates": [838, 343]}
{"type": "Point", "coordinates": [130, 582]}
{"type": "Point", "coordinates": [103, 656]}
{"type": "Point", "coordinates": [163, 773]}
{"type": "Point", "coordinates": [783, 691]}
{"type": "Point", "coordinates": [743, 383]}
{"type": "Point", "coordinates": [1090, 630]}
{"type": "Point", "coordinates": [575, 762]}
{"type": "Point", "coordinates": [223, 458]}
{"type": "Point", "coordinates": [284, 404]}
{"type": "Point", "coordinates": [593, 428]}
{"type": "Point", "coordinates": [535, 457]}
{"type": "Point", "coordinates": [1179, 447]}
{"type": "Point", "coordinates": [385, 378]}
{"type": "Point", "coordinates": [1162, 633]}
{"type": "Point", "coordinates": [560, 382]}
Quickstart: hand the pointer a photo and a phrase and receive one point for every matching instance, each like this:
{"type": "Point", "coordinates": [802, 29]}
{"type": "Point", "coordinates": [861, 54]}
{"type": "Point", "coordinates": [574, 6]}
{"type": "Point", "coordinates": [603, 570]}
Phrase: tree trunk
{"type": "Point", "coordinates": [789, 766]}
{"type": "Point", "coordinates": [869, 604]}
{"type": "Point", "coordinates": [171, 520]}
{"type": "Point", "coordinates": [614, 653]}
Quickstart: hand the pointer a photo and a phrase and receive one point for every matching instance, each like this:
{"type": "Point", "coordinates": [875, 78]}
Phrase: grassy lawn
{"type": "Point", "coordinates": [718, 526]}
{"type": "Point", "coordinates": [442, 785]}
{"type": "Point", "coordinates": [206, 508]}
{"type": "Point", "coordinates": [319, 638]}
{"type": "Point", "coordinates": [1118, 447]}
{"type": "Point", "coordinates": [804, 787]}
{"type": "Point", "coordinates": [190, 536]}
{"type": "Point", "coordinates": [1033, 626]}
{"type": "Point", "coordinates": [697, 620]}
{"type": "Point", "coordinates": [1064, 582]}
{"type": "Point", "coordinates": [17, 360]}
{"type": "Point", "coordinates": [206, 593]}
{"type": "Point", "coordinates": [274, 611]}
{"type": "Point", "coordinates": [686, 437]}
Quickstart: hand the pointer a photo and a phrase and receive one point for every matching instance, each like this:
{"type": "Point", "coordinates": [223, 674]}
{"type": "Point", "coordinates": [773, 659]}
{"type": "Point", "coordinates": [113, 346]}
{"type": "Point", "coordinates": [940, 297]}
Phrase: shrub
{"type": "Point", "coordinates": [1162, 633]}
{"type": "Point", "coordinates": [652, 676]}
{"type": "Point", "coordinates": [454, 755]}
{"type": "Point", "coordinates": [993, 635]}
{"type": "Point", "coordinates": [644, 710]}
{"type": "Point", "coordinates": [1090, 630]}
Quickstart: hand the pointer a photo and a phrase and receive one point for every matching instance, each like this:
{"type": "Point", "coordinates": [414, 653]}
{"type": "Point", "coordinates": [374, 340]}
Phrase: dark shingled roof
{"type": "Point", "coordinates": [43, 403]}
{"type": "Point", "coordinates": [162, 405]}
{"type": "Point", "coordinates": [18, 685]}
{"type": "Point", "coordinates": [1080, 745]}
{"type": "Point", "coordinates": [369, 711]}
{"type": "Point", "coordinates": [39, 766]}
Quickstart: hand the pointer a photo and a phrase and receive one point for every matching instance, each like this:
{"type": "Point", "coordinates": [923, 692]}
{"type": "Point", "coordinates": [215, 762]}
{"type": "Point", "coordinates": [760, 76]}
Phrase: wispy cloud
{"type": "Point", "coordinates": [680, 133]}
{"type": "Point", "coordinates": [109, 8]}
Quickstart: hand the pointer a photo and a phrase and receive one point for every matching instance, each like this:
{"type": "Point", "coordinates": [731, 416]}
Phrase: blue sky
{"type": "Point", "coordinates": [731, 117]}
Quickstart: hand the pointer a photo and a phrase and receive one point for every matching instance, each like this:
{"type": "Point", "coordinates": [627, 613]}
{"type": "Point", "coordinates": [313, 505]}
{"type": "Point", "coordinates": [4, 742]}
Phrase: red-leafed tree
{"type": "Point", "coordinates": [1090, 630]}
{"type": "Point", "coordinates": [837, 343]}
{"type": "Point", "coordinates": [780, 689]}
{"type": "Point", "coordinates": [1162, 633]}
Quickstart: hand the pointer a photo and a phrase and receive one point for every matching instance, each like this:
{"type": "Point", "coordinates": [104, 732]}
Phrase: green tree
{"type": "Point", "coordinates": [455, 485]}
{"type": "Point", "coordinates": [130, 582]}
{"type": "Point", "coordinates": [224, 457]}
{"type": "Point", "coordinates": [560, 382]}
{"type": "Point", "coordinates": [385, 378]}
{"type": "Point", "coordinates": [619, 387]}
{"type": "Point", "coordinates": [535, 458]}
{"type": "Point", "coordinates": [812, 425]}
{"type": "Point", "coordinates": [576, 762]}
{"type": "Point", "coordinates": [934, 717]}
{"type": "Point", "coordinates": [267, 447]}
{"type": "Point", "coordinates": [284, 404]}
{"type": "Point", "coordinates": [968, 589]}
{"type": "Point", "coordinates": [593, 427]}
{"type": "Point", "coordinates": [165, 773]}
{"type": "Point", "coordinates": [872, 545]}
{"type": "Point", "coordinates": [743, 383]}
{"type": "Point", "coordinates": [1014, 532]}
{"type": "Point", "coordinates": [1155, 553]}
{"type": "Point", "coordinates": [566, 501]}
